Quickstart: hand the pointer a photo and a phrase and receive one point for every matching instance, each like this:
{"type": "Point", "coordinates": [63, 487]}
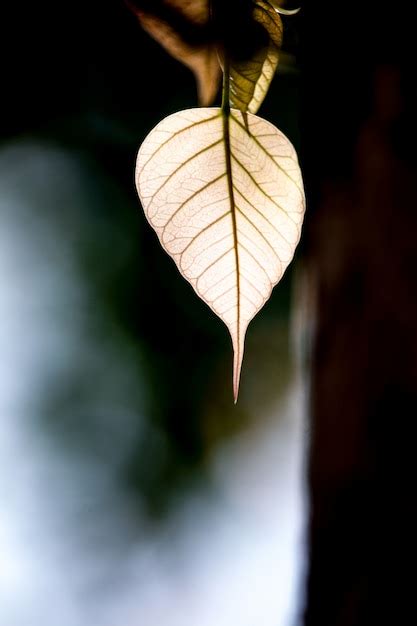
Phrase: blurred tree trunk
{"type": "Point", "coordinates": [360, 157]}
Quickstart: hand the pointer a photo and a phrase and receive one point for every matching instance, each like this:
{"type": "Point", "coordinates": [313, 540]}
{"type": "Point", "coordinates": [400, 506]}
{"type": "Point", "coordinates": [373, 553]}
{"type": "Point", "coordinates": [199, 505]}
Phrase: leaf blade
{"type": "Point", "coordinates": [225, 197]}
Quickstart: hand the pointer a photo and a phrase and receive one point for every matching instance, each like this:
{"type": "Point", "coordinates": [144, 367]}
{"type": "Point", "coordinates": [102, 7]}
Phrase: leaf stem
{"type": "Point", "coordinates": [237, 348]}
{"type": "Point", "coordinates": [226, 85]}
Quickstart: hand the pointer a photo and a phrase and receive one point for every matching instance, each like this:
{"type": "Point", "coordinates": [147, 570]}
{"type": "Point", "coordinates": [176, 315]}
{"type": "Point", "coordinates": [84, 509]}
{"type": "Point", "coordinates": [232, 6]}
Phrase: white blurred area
{"type": "Point", "coordinates": [72, 551]}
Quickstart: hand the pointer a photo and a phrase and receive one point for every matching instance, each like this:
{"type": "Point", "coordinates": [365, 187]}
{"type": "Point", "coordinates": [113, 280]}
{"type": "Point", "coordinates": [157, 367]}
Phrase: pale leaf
{"type": "Point", "coordinates": [250, 79]}
{"type": "Point", "coordinates": [200, 58]}
{"type": "Point", "coordinates": [225, 196]}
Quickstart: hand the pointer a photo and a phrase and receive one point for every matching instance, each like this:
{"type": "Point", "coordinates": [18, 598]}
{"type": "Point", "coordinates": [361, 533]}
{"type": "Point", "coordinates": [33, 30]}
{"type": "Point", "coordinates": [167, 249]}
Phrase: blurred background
{"type": "Point", "coordinates": [132, 490]}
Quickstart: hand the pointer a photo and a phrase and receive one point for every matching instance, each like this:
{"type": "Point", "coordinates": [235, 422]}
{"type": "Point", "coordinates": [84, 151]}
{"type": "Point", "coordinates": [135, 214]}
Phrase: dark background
{"type": "Point", "coordinates": [359, 135]}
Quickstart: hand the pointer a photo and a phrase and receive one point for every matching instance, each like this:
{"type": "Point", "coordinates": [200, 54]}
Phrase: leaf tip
{"type": "Point", "coordinates": [238, 347]}
{"type": "Point", "coordinates": [235, 392]}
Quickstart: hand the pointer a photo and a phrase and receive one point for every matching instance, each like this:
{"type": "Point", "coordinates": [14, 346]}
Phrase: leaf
{"type": "Point", "coordinates": [200, 57]}
{"type": "Point", "coordinates": [250, 79]}
{"type": "Point", "coordinates": [224, 194]}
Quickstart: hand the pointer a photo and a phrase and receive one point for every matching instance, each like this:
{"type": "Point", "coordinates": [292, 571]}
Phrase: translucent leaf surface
{"type": "Point", "coordinates": [201, 59]}
{"type": "Point", "coordinates": [225, 197]}
{"type": "Point", "coordinates": [250, 79]}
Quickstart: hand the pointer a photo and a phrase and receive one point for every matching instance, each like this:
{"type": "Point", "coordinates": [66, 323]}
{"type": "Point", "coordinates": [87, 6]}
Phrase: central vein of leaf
{"type": "Point", "coordinates": [229, 174]}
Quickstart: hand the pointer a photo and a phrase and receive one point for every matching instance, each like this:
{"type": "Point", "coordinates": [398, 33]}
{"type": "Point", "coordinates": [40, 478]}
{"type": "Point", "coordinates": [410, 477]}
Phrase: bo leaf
{"type": "Point", "coordinates": [224, 193]}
